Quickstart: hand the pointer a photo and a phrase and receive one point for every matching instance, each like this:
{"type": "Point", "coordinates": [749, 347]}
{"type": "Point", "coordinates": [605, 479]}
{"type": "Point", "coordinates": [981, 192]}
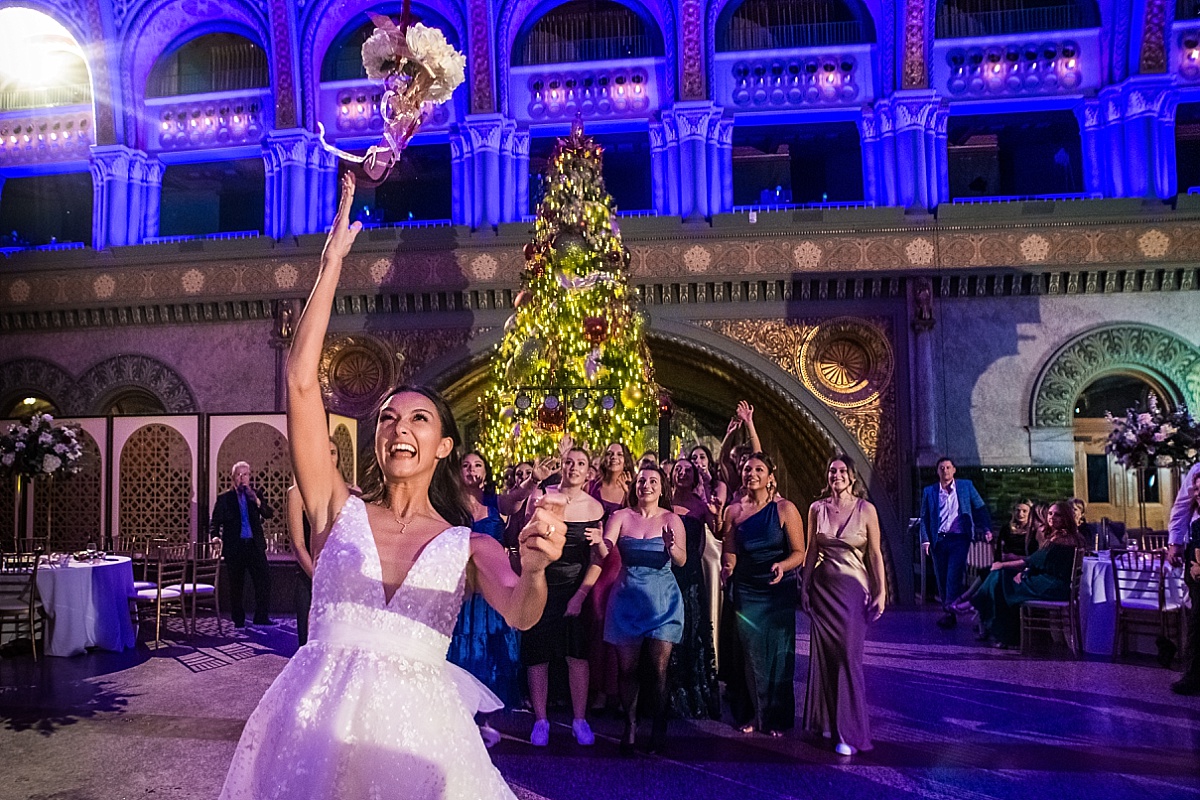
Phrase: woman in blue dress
{"type": "Point", "coordinates": [646, 606]}
{"type": "Point", "coordinates": [763, 544]}
{"type": "Point", "coordinates": [483, 643]}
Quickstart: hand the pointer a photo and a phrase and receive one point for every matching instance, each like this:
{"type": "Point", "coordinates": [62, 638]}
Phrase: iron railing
{"type": "Point", "coordinates": [971, 18]}
{"type": "Point", "coordinates": [587, 31]}
{"type": "Point", "coordinates": [788, 24]}
{"type": "Point", "coordinates": [229, 68]}
{"type": "Point", "coordinates": [48, 97]}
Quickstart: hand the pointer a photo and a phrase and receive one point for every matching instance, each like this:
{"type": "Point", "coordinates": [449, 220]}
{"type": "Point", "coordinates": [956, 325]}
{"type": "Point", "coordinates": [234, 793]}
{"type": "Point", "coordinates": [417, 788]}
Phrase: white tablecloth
{"type": "Point", "coordinates": [88, 605]}
{"type": "Point", "coordinates": [1098, 605]}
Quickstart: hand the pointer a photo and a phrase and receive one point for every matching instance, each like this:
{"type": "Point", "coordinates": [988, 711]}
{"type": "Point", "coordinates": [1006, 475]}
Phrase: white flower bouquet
{"type": "Point", "coordinates": [1154, 437]}
{"type": "Point", "coordinates": [37, 448]}
{"type": "Point", "coordinates": [419, 69]}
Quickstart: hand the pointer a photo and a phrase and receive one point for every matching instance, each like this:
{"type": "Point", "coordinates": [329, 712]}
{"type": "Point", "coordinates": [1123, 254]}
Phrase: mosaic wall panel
{"type": "Point", "coordinates": [71, 506]}
{"type": "Point", "coordinates": [266, 450]}
{"type": "Point", "coordinates": [156, 485]}
{"type": "Point", "coordinates": [345, 447]}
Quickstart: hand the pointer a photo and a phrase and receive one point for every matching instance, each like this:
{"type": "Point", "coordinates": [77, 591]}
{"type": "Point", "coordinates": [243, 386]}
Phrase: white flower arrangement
{"type": "Point", "coordinates": [1154, 436]}
{"type": "Point", "coordinates": [39, 448]}
{"type": "Point", "coordinates": [389, 51]}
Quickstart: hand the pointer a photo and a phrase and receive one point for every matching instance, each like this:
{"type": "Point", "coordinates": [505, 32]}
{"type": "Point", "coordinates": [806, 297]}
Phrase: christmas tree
{"type": "Point", "coordinates": [573, 358]}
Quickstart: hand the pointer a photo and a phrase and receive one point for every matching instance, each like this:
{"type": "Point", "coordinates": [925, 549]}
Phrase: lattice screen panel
{"type": "Point", "coordinates": [73, 503]}
{"type": "Point", "coordinates": [266, 450]}
{"type": "Point", "coordinates": [345, 448]}
{"type": "Point", "coordinates": [155, 494]}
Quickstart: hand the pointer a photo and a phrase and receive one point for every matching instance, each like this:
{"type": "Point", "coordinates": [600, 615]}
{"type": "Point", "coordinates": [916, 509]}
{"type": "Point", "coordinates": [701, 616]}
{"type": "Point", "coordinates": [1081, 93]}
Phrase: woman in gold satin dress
{"type": "Point", "coordinates": [844, 591]}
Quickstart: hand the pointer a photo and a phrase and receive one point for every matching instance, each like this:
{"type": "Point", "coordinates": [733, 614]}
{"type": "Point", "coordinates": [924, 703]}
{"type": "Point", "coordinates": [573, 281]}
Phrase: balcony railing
{"type": "Point", "coordinates": [545, 48]}
{"type": "Point", "coordinates": [49, 97]}
{"type": "Point", "coordinates": [581, 31]}
{"type": "Point", "coordinates": [953, 23]}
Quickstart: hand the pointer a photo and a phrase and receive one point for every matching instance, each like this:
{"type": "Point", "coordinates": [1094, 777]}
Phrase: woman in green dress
{"type": "Point", "coordinates": [763, 544]}
{"type": "Point", "coordinates": [1045, 575]}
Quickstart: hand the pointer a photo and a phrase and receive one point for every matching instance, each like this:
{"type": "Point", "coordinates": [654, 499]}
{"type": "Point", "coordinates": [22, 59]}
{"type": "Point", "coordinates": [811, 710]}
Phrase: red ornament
{"type": "Point", "coordinates": [595, 329]}
{"type": "Point", "coordinates": [552, 420]}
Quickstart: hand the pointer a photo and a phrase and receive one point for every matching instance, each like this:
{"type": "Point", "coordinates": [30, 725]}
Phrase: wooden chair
{"type": "Point", "coordinates": [20, 605]}
{"type": "Point", "coordinates": [204, 588]}
{"type": "Point", "coordinates": [138, 549]}
{"type": "Point", "coordinates": [1053, 616]}
{"type": "Point", "coordinates": [1140, 581]}
{"type": "Point", "coordinates": [170, 563]}
{"type": "Point", "coordinates": [1137, 535]}
{"type": "Point", "coordinates": [1154, 541]}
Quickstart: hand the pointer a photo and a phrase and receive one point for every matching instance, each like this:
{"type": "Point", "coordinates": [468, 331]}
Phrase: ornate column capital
{"type": "Point", "coordinates": [692, 119]}
{"type": "Point", "coordinates": [915, 110]}
{"type": "Point", "coordinates": [868, 125]}
{"type": "Point", "coordinates": [486, 131]}
{"type": "Point", "coordinates": [115, 162]}
{"type": "Point", "coordinates": [520, 142]}
{"type": "Point", "coordinates": [290, 147]}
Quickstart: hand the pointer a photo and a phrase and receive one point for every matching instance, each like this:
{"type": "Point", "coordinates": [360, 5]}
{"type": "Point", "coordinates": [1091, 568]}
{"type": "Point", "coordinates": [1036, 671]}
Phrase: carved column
{"type": "Point", "coordinates": [868, 136]}
{"type": "Point", "coordinates": [692, 123]}
{"type": "Point", "coordinates": [919, 157]}
{"type": "Point", "coordinates": [462, 199]}
{"type": "Point", "coordinates": [486, 132]}
{"type": "Point", "coordinates": [520, 161]}
{"type": "Point", "coordinates": [924, 378]}
{"type": "Point", "coordinates": [720, 165]}
{"type": "Point", "coordinates": [1089, 115]}
{"type": "Point", "coordinates": [298, 183]}
{"type": "Point", "coordinates": [1138, 137]}
{"type": "Point", "coordinates": [126, 185]}
{"type": "Point", "coordinates": [658, 168]}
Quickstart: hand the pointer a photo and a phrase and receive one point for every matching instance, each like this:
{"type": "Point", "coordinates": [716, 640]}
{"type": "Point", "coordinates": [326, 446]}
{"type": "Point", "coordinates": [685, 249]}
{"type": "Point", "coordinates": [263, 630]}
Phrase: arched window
{"type": "Point", "coordinates": [1115, 394]}
{"type": "Point", "coordinates": [960, 19]}
{"type": "Point", "coordinates": [787, 24]}
{"type": "Point", "coordinates": [343, 59]}
{"type": "Point", "coordinates": [215, 62]}
{"type": "Point", "coordinates": [41, 64]}
{"type": "Point", "coordinates": [133, 401]}
{"type": "Point", "coordinates": [587, 30]}
{"type": "Point", "coordinates": [28, 406]}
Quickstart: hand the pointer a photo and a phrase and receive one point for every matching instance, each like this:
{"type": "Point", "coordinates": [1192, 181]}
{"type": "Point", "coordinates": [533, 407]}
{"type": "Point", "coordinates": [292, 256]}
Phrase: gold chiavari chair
{"type": "Point", "coordinates": [1143, 605]}
{"type": "Point", "coordinates": [1154, 541]}
{"type": "Point", "coordinates": [1053, 616]}
{"type": "Point", "coordinates": [170, 563]}
{"type": "Point", "coordinates": [204, 587]}
{"type": "Point", "coordinates": [20, 605]}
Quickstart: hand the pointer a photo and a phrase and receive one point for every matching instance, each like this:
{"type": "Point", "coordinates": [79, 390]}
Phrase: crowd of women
{"type": "Point", "coordinates": [670, 571]}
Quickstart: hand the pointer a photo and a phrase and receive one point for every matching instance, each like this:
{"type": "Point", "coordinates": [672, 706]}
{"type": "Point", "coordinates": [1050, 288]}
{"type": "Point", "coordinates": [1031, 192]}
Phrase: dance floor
{"type": "Point", "coordinates": [952, 720]}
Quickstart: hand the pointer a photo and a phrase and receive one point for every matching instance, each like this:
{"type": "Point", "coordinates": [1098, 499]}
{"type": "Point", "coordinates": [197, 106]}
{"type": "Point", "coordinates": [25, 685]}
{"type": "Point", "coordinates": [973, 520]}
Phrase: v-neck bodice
{"type": "Point", "coordinates": [348, 589]}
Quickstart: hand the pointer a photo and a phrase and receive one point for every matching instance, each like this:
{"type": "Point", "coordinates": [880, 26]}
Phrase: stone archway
{"type": "Point", "coordinates": [34, 376]}
{"type": "Point", "coordinates": [1169, 360]}
{"type": "Point", "coordinates": [107, 379]}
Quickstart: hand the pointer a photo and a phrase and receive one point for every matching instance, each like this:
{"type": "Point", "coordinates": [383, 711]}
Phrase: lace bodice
{"type": "Point", "coordinates": [348, 591]}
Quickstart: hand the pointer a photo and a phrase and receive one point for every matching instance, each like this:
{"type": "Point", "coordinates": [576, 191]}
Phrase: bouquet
{"type": "Point", "coordinates": [38, 448]}
{"type": "Point", "coordinates": [419, 70]}
{"type": "Point", "coordinates": [1153, 437]}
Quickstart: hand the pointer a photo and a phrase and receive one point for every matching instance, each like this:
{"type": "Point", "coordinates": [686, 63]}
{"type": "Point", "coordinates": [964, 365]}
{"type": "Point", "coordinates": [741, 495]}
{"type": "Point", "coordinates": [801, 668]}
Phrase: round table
{"type": "Point", "coordinates": [87, 603]}
{"type": "Point", "coordinates": [1098, 605]}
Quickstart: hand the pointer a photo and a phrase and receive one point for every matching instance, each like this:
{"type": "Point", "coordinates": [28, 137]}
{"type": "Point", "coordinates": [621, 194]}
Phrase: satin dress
{"type": "Point", "coordinates": [835, 702]}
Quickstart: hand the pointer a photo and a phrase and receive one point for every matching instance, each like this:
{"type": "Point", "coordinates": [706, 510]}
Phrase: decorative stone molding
{"type": "Point", "coordinates": [22, 377]}
{"type": "Point", "coordinates": [1122, 347]}
{"type": "Point", "coordinates": [108, 377]}
{"type": "Point", "coordinates": [915, 72]}
{"type": "Point", "coordinates": [483, 98]}
{"type": "Point", "coordinates": [354, 372]}
{"type": "Point", "coordinates": [691, 21]}
{"type": "Point", "coordinates": [1153, 52]}
{"type": "Point", "coordinates": [284, 83]}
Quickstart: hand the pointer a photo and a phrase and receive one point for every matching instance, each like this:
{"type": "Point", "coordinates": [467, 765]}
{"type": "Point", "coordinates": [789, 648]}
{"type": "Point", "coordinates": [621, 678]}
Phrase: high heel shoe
{"type": "Point", "coordinates": [658, 734]}
{"type": "Point", "coordinates": [628, 739]}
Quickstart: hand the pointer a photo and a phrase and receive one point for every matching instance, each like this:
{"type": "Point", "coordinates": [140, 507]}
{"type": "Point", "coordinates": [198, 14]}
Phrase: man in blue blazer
{"type": "Point", "coordinates": [952, 516]}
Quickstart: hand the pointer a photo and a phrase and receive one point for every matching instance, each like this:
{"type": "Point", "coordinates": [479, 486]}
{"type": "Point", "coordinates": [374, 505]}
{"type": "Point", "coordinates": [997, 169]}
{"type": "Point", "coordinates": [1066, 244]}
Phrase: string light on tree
{"type": "Point", "coordinates": [573, 355]}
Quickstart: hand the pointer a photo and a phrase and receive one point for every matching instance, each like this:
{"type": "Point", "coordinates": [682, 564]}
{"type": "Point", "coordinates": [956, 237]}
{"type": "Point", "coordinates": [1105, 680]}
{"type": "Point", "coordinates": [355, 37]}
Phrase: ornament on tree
{"type": "Point", "coordinates": [632, 396]}
{"type": "Point", "coordinates": [552, 420]}
{"type": "Point", "coordinates": [525, 360]}
{"type": "Point", "coordinates": [595, 329]}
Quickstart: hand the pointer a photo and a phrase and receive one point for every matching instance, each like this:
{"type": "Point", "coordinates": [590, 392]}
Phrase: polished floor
{"type": "Point", "coordinates": [952, 720]}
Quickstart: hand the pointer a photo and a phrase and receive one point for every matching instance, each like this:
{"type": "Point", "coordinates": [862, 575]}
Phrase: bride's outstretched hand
{"type": "Point", "coordinates": [543, 537]}
{"type": "Point", "coordinates": [342, 234]}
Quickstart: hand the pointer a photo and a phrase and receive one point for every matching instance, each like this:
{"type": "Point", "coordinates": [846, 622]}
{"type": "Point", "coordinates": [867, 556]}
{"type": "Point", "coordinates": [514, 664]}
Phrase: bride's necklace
{"type": "Point", "coordinates": [403, 520]}
{"type": "Point", "coordinates": [571, 499]}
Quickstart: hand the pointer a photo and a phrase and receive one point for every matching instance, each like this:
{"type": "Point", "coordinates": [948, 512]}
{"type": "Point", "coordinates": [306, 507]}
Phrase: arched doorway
{"type": "Point", "coordinates": [1111, 490]}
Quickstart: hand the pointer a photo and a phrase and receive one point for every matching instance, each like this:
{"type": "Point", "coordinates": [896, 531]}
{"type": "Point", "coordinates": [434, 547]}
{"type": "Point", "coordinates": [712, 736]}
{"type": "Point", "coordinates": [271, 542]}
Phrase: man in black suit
{"type": "Point", "coordinates": [237, 518]}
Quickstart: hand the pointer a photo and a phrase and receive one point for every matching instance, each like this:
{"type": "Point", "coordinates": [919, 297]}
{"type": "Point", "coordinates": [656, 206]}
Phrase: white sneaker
{"type": "Point", "coordinates": [844, 749]}
{"type": "Point", "coordinates": [583, 732]}
{"type": "Point", "coordinates": [491, 736]}
{"type": "Point", "coordinates": [541, 733]}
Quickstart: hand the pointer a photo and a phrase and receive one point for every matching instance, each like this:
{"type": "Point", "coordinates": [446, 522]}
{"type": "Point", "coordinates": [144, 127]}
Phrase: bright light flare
{"type": "Point", "coordinates": [35, 50]}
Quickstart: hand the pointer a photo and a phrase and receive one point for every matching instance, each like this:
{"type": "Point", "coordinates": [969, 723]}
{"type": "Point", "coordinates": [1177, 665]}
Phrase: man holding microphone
{"type": "Point", "coordinates": [237, 518]}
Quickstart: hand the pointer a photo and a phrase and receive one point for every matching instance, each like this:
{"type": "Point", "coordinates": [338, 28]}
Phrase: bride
{"type": "Point", "coordinates": [370, 707]}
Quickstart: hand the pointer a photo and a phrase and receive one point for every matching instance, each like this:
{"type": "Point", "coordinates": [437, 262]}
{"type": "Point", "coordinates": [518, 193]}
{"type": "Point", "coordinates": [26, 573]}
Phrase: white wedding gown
{"type": "Point", "coordinates": [370, 708]}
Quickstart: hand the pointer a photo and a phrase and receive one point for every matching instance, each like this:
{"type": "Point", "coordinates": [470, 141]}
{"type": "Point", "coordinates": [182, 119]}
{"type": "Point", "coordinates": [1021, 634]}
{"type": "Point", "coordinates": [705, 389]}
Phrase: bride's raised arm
{"type": "Point", "coordinates": [321, 486]}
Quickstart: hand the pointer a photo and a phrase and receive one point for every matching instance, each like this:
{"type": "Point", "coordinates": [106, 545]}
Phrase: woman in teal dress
{"type": "Point", "coordinates": [645, 610]}
{"type": "Point", "coordinates": [482, 642]}
{"type": "Point", "coordinates": [763, 544]}
{"type": "Point", "coordinates": [1045, 575]}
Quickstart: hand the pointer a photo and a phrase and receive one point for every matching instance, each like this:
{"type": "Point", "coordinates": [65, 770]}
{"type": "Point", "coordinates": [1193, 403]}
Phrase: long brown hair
{"type": "Point", "coordinates": [664, 497]}
{"type": "Point", "coordinates": [855, 486]}
{"type": "Point", "coordinates": [446, 493]}
{"type": "Point", "coordinates": [1069, 532]}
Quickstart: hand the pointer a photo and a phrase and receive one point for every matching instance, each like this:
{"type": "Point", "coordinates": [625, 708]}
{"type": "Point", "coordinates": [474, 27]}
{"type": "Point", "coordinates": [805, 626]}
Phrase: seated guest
{"type": "Point", "coordinates": [1045, 575]}
{"type": "Point", "coordinates": [1086, 529]}
{"type": "Point", "coordinates": [1017, 539]}
{"type": "Point", "coordinates": [1184, 548]}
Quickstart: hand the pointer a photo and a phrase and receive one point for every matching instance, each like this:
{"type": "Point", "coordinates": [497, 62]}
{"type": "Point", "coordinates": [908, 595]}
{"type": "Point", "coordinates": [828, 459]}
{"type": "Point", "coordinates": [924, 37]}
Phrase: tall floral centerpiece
{"type": "Point", "coordinates": [37, 450]}
{"type": "Point", "coordinates": [1152, 438]}
{"type": "Point", "coordinates": [419, 69]}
